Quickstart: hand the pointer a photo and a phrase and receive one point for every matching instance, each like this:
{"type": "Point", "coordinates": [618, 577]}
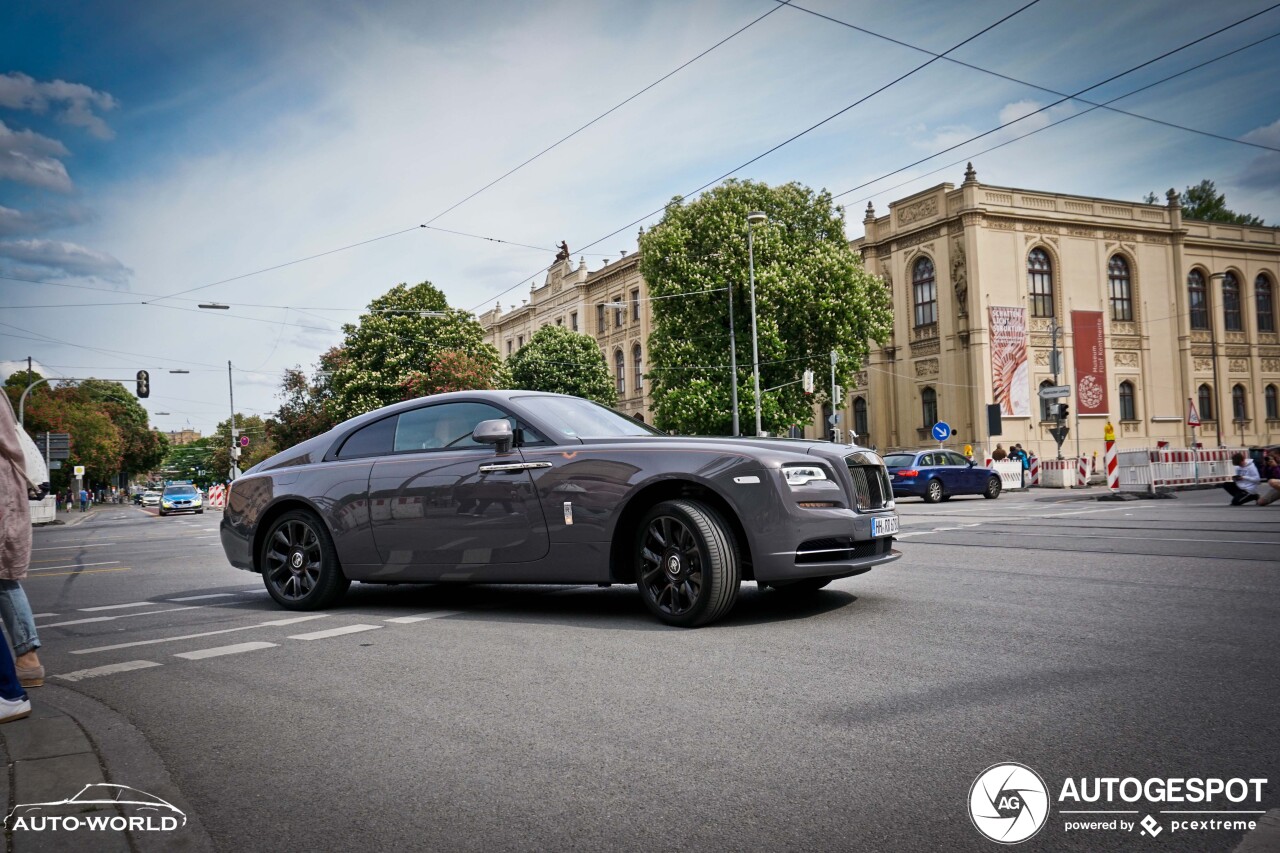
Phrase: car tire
{"type": "Point", "coordinates": [162, 513]}
{"type": "Point", "coordinates": [299, 564]}
{"type": "Point", "coordinates": [992, 491]}
{"type": "Point", "coordinates": [199, 512]}
{"type": "Point", "coordinates": [933, 492]}
{"type": "Point", "coordinates": [701, 585]}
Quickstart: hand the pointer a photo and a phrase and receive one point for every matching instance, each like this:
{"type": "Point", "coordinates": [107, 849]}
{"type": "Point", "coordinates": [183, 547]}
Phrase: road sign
{"type": "Point", "coordinates": [1193, 418]}
{"type": "Point", "coordinates": [833, 419]}
{"type": "Point", "coordinates": [79, 470]}
{"type": "Point", "coordinates": [57, 443]}
{"type": "Point", "coordinates": [1053, 392]}
{"type": "Point", "coordinates": [244, 441]}
{"type": "Point", "coordinates": [942, 430]}
{"type": "Point", "coordinates": [55, 465]}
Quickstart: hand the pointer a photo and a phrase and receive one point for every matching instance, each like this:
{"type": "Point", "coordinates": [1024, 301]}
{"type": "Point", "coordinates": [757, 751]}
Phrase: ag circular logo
{"type": "Point", "coordinates": [1009, 802]}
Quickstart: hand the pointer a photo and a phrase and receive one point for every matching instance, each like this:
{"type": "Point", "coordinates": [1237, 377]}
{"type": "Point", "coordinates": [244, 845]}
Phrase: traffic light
{"type": "Point", "coordinates": [808, 382]}
{"type": "Point", "coordinates": [1063, 411]}
{"type": "Point", "coordinates": [144, 384]}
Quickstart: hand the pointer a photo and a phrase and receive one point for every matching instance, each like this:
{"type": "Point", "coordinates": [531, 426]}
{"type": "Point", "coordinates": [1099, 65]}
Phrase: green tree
{"type": "Point", "coordinates": [96, 441]}
{"type": "Point", "coordinates": [192, 461]}
{"type": "Point", "coordinates": [563, 362]}
{"type": "Point", "coordinates": [143, 448]}
{"type": "Point", "coordinates": [393, 342]}
{"type": "Point", "coordinates": [813, 296]}
{"type": "Point", "coordinates": [308, 408]}
{"type": "Point", "coordinates": [260, 446]}
{"type": "Point", "coordinates": [454, 371]}
{"type": "Point", "coordinates": [1204, 203]}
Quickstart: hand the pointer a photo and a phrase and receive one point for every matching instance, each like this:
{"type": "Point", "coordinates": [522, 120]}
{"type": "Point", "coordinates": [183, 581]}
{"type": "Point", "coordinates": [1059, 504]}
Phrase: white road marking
{"type": "Point", "coordinates": [66, 547]}
{"type": "Point", "coordinates": [117, 606]}
{"type": "Point", "coordinates": [200, 597]}
{"type": "Point", "coordinates": [334, 632]}
{"type": "Point", "coordinates": [42, 615]}
{"type": "Point", "coordinates": [257, 590]}
{"type": "Point", "coordinates": [273, 622]}
{"type": "Point", "coordinates": [77, 566]}
{"type": "Point", "coordinates": [109, 669]}
{"type": "Point", "coordinates": [225, 650]}
{"type": "Point", "coordinates": [121, 616]}
{"type": "Point", "coordinates": [422, 617]}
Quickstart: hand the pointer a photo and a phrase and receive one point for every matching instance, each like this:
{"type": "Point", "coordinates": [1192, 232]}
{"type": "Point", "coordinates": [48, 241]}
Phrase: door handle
{"type": "Point", "coordinates": [505, 467]}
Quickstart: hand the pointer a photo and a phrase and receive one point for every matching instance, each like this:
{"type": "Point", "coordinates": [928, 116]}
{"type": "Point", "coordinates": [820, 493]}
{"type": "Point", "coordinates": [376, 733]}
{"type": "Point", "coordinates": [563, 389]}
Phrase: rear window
{"type": "Point", "coordinates": [894, 461]}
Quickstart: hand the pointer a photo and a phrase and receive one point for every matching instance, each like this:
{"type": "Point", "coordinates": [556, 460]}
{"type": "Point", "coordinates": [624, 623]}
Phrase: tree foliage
{"type": "Point", "coordinates": [563, 362]}
{"type": "Point", "coordinates": [308, 408]}
{"type": "Point", "coordinates": [1204, 203]}
{"type": "Point", "coordinates": [813, 296]}
{"type": "Point", "coordinates": [392, 343]}
{"type": "Point", "coordinates": [260, 446]}
{"type": "Point", "coordinates": [192, 461]}
{"type": "Point", "coordinates": [453, 371]}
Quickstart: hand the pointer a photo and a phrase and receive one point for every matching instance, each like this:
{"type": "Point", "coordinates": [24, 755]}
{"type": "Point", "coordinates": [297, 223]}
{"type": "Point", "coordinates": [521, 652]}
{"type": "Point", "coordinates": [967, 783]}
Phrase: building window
{"type": "Point", "coordinates": [1040, 280]}
{"type": "Point", "coordinates": [929, 407]}
{"type": "Point", "coordinates": [519, 341]}
{"type": "Point", "coordinates": [559, 321]}
{"type": "Point", "coordinates": [573, 321]}
{"type": "Point", "coordinates": [637, 362]}
{"type": "Point", "coordinates": [1046, 404]}
{"type": "Point", "coordinates": [1238, 410]}
{"type": "Point", "coordinates": [1128, 411]}
{"type": "Point", "coordinates": [1231, 303]}
{"type": "Point", "coordinates": [510, 346]}
{"type": "Point", "coordinates": [924, 289]}
{"type": "Point", "coordinates": [620, 371]}
{"type": "Point", "coordinates": [617, 311]}
{"type": "Point", "coordinates": [635, 305]}
{"type": "Point", "coordinates": [860, 417]}
{"type": "Point", "coordinates": [1197, 300]}
{"type": "Point", "coordinates": [1262, 295]}
{"type": "Point", "coordinates": [1273, 405]}
{"type": "Point", "coordinates": [1206, 402]}
{"type": "Point", "coordinates": [1121, 294]}
{"type": "Point", "coordinates": [600, 326]}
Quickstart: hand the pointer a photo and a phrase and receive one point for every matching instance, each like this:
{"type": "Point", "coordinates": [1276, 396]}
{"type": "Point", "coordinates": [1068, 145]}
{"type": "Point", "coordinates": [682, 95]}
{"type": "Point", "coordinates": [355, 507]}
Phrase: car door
{"type": "Point", "coordinates": [967, 477]}
{"type": "Point", "coordinates": [441, 499]}
{"type": "Point", "coordinates": [952, 478]}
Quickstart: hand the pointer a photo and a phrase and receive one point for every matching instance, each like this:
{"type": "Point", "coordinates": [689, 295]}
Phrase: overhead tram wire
{"type": "Point", "coordinates": [1110, 79]}
{"type": "Point", "coordinates": [792, 138]}
{"type": "Point", "coordinates": [974, 156]}
{"type": "Point", "coordinates": [1021, 82]}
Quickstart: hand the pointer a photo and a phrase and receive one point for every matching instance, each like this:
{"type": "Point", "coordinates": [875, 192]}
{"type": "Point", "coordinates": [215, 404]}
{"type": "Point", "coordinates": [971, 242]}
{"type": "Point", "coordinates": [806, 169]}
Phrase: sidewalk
{"type": "Point", "coordinates": [71, 741]}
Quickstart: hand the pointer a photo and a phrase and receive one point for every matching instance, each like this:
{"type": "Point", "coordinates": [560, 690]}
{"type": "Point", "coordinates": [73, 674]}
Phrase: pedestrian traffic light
{"type": "Point", "coordinates": [144, 384]}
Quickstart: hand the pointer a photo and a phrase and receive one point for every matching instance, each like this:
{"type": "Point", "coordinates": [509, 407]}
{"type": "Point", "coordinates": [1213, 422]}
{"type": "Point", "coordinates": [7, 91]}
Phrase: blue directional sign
{"type": "Point", "coordinates": [942, 430]}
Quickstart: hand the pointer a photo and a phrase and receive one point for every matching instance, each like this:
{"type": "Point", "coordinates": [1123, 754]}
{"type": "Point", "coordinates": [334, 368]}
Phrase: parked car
{"type": "Point", "coordinates": [525, 487]}
{"type": "Point", "coordinates": [937, 475]}
{"type": "Point", "coordinates": [181, 497]}
{"type": "Point", "coordinates": [151, 499]}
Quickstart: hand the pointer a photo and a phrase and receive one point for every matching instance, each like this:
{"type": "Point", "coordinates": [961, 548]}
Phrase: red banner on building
{"type": "Point", "coordinates": [1090, 362]}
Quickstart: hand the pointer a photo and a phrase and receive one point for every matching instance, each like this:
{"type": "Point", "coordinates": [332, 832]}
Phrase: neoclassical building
{"type": "Point", "coordinates": [1154, 315]}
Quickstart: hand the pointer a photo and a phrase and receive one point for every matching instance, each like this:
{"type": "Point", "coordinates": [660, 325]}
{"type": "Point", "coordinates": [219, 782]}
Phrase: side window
{"type": "Point", "coordinates": [372, 440]}
{"type": "Point", "coordinates": [956, 459]}
{"type": "Point", "coordinates": [927, 460]}
{"type": "Point", "coordinates": [446, 426]}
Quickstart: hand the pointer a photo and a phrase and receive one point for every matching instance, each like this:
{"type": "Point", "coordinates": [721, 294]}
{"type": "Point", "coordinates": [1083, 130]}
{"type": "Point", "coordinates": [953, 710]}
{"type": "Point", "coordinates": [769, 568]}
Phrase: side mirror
{"type": "Point", "coordinates": [496, 432]}
{"type": "Point", "coordinates": [972, 463]}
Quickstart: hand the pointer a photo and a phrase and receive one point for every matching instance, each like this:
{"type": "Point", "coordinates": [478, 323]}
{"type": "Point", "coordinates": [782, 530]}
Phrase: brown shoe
{"type": "Point", "coordinates": [31, 676]}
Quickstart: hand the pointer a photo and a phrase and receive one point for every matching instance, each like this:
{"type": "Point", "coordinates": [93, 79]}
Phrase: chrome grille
{"type": "Point", "coordinates": [871, 487]}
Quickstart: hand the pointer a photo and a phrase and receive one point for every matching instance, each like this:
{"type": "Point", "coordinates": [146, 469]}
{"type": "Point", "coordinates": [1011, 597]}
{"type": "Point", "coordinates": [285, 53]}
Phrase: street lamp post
{"type": "Point", "coordinates": [1213, 356]}
{"type": "Point", "coordinates": [755, 217]}
{"type": "Point", "coordinates": [733, 366]}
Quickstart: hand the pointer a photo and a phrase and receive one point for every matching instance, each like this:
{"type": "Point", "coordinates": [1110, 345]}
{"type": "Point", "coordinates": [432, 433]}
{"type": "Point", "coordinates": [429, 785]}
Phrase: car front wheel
{"type": "Point", "coordinates": [993, 488]}
{"type": "Point", "coordinates": [933, 492]}
{"type": "Point", "coordinates": [687, 564]}
{"type": "Point", "coordinates": [299, 563]}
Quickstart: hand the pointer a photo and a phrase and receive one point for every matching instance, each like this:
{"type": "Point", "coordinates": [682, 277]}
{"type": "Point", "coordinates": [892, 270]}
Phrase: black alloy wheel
{"type": "Point", "coordinates": [299, 563]}
{"type": "Point", "coordinates": [933, 492]}
{"type": "Point", "coordinates": [993, 488]}
{"type": "Point", "coordinates": [687, 564]}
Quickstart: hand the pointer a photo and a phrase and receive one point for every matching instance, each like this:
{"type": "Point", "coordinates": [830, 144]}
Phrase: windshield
{"type": "Point", "coordinates": [577, 418]}
{"type": "Point", "coordinates": [179, 491]}
{"type": "Point", "coordinates": [894, 461]}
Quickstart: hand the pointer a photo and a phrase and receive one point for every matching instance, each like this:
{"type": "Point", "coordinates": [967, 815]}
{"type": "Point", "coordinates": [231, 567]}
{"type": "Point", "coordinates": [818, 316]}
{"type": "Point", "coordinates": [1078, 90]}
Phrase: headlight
{"type": "Point", "coordinates": [802, 475]}
{"type": "Point", "coordinates": [165, 502]}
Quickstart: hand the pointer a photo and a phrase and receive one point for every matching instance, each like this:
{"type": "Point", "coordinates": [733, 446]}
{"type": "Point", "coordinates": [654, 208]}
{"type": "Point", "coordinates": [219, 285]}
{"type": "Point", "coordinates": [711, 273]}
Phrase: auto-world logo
{"type": "Point", "coordinates": [121, 808]}
{"type": "Point", "coordinates": [1008, 802]}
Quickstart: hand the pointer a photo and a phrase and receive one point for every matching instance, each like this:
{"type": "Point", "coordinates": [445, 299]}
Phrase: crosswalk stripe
{"type": "Point", "coordinates": [422, 617]}
{"type": "Point", "coordinates": [109, 669]}
{"type": "Point", "coordinates": [334, 632]}
{"type": "Point", "coordinates": [119, 616]}
{"type": "Point", "coordinates": [117, 606]}
{"type": "Point", "coordinates": [219, 651]}
{"type": "Point", "coordinates": [273, 622]}
{"type": "Point", "coordinates": [199, 597]}
{"type": "Point", "coordinates": [78, 565]}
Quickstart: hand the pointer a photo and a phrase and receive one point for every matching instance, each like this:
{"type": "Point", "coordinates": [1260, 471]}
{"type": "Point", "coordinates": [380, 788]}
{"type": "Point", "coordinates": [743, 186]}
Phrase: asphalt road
{"type": "Point", "coordinates": [1082, 639]}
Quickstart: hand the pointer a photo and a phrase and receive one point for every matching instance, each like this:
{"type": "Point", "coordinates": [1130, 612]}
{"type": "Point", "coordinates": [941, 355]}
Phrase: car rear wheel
{"type": "Point", "coordinates": [299, 563]}
{"type": "Point", "coordinates": [993, 488]}
{"type": "Point", "coordinates": [933, 492]}
{"type": "Point", "coordinates": [687, 565]}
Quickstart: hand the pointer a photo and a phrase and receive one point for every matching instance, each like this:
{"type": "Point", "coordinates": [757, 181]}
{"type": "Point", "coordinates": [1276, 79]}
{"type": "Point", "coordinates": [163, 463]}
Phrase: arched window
{"type": "Point", "coordinates": [924, 289]}
{"type": "Point", "coordinates": [1231, 303]}
{"type": "Point", "coordinates": [1239, 411]}
{"type": "Point", "coordinates": [1040, 281]}
{"type": "Point", "coordinates": [1046, 405]}
{"type": "Point", "coordinates": [929, 406]}
{"type": "Point", "coordinates": [637, 363]}
{"type": "Point", "coordinates": [1206, 402]}
{"type": "Point", "coordinates": [860, 417]}
{"type": "Point", "coordinates": [1265, 303]}
{"type": "Point", "coordinates": [1197, 300]}
{"type": "Point", "coordinates": [1273, 405]}
{"type": "Point", "coordinates": [620, 371]}
{"type": "Point", "coordinates": [1128, 411]}
{"type": "Point", "coordinates": [1121, 289]}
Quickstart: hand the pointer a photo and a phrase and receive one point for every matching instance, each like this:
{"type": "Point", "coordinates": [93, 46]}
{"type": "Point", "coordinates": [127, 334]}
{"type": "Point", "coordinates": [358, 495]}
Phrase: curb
{"type": "Point", "coordinates": [70, 741]}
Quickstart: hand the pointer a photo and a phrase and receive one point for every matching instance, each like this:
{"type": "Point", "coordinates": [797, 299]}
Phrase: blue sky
{"type": "Point", "coordinates": [150, 148]}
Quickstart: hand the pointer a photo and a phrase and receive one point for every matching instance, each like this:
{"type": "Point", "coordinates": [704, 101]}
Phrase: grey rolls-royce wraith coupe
{"type": "Point", "coordinates": [526, 487]}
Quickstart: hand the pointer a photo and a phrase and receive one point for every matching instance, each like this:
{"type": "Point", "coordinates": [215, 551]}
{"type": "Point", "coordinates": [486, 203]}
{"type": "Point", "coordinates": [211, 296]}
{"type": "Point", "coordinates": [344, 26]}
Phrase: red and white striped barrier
{"type": "Point", "coordinates": [1082, 472]}
{"type": "Point", "coordinates": [217, 496]}
{"type": "Point", "coordinates": [1033, 478]}
{"type": "Point", "coordinates": [1113, 467]}
{"type": "Point", "coordinates": [1148, 469]}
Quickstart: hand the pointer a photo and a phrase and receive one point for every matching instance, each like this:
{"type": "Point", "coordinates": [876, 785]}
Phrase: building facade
{"type": "Point", "coordinates": [182, 436]}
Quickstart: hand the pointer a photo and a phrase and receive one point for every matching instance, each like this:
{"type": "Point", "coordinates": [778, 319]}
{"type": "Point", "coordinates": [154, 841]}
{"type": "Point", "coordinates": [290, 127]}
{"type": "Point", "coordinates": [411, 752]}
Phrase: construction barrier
{"type": "Point", "coordinates": [1113, 467]}
{"type": "Point", "coordinates": [1059, 473]}
{"type": "Point", "coordinates": [1010, 471]}
{"type": "Point", "coordinates": [217, 498]}
{"type": "Point", "coordinates": [1152, 468]}
{"type": "Point", "coordinates": [1034, 474]}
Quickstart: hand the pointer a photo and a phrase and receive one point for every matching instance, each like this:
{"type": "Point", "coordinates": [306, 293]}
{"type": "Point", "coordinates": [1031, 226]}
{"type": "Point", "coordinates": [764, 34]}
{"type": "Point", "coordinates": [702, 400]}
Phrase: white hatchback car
{"type": "Point", "coordinates": [151, 499]}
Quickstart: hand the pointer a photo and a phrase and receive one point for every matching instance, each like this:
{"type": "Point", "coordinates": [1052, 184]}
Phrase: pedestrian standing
{"type": "Point", "coordinates": [84, 500]}
{"type": "Point", "coordinates": [16, 488]}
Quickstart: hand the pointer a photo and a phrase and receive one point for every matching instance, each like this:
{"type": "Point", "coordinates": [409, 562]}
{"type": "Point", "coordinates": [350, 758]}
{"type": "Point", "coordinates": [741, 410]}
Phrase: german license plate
{"type": "Point", "coordinates": [885, 525]}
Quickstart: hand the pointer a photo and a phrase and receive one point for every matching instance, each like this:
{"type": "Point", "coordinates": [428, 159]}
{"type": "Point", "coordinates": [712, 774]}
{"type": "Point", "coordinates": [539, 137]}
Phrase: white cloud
{"type": "Point", "coordinates": [1021, 109]}
{"type": "Point", "coordinates": [30, 158]}
{"type": "Point", "coordinates": [1262, 174]}
{"type": "Point", "coordinates": [64, 258]}
{"type": "Point", "coordinates": [73, 103]}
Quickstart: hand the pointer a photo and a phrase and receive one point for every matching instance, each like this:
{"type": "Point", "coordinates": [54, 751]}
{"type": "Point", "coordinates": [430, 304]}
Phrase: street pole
{"type": "Point", "coordinates": [1213, 356]}
{"type": "Point", "coordinates": [231, 388]}
{"type": "Point", "coordinates": [834, 357]}
{"type": "Point", "coordinates": [752, 218]}
{"type": "Point", "coordinates": [733, 363]}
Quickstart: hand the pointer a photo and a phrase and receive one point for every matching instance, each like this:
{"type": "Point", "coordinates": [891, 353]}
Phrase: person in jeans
{"type": "Point", "coordinates": [1244, 485]}
{"type": "Point", "coordinates": [15, 555]}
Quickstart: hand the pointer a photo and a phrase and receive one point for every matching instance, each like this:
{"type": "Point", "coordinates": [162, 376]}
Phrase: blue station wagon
{"type": "Point", "coordinates": [936, 475]}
